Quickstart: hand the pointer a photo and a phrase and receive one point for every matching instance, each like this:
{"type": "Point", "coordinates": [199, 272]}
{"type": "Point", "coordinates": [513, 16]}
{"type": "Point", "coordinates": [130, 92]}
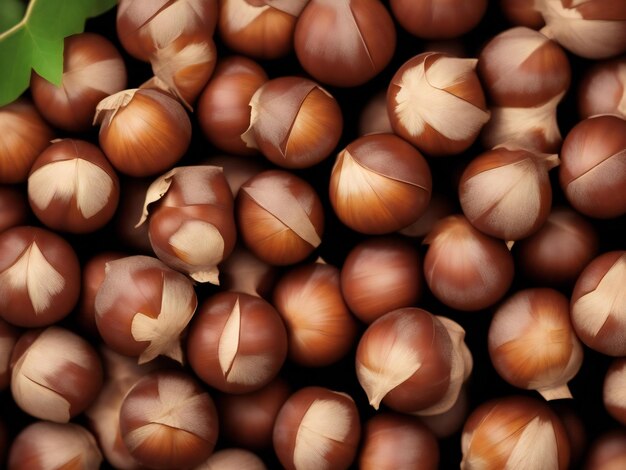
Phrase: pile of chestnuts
{"type": "Point", "coordinates": [319, 235]}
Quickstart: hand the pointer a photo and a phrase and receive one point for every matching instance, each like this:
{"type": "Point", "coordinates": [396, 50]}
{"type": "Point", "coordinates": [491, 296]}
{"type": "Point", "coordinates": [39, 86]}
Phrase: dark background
{"type": "Point", "coordinates": [484, 383]}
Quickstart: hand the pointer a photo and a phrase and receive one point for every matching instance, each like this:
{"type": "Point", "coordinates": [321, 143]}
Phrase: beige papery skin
{"type": "Point", "coordinates": [594, 29]}
{"type": "Point", "coordinates": [532, 343]}
{"type": "Point", "coordinates": [45, 446]}
{"type": "Point", "coordinates": [437, 103]}
{"type": "Point", "coordinates": [233, 459]}
{"type": "Point", "coordinates": [142, 308]}
{"type": "Point", "coordinates": [514, 433]}
{"type": "Point", "coordinates": [192, 225]}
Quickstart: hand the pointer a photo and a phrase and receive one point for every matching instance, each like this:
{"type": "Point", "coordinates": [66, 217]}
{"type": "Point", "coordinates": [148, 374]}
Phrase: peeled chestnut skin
{"type": "Point", "coordinates": [237, 342]}
{"type": "Point", "coordinates": [380, 275]}
{"type": "Point", "coordinates": [51, 289]}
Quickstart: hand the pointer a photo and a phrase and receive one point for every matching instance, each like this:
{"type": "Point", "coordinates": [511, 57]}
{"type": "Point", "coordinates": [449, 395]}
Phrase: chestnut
{"type": "Point", "coordinates": [92, 70]}
{"type": "Point", "coordinates": [13, 207]}
{"type": "Point", "coordinates": [514, 432]}
{"type": "Point", "coordinates": [30, 136]}
{"type": "Point", "coordinates": [603, 89]}
{"type": "Point", "coordinates": [392, 441]}
{"type": "Point", "coordinates": [353, 43]}
{"type": "Point", "coordinates": [142, 26]}
{"type": "Point", "coordinates": [613, 390]}
{"type": "Point", "coordinates": [598, 305]}
{"type": "Point", "coordinates": [464, 268]}
{"type": "Point", "coordinates": [437, 103]}
{"type": "Point", "coordinates": [434, 19]}
{"type": "Point", "coordinates": [248, 419]}
{"type": "Point", "coordinates": [8, 337]}
{"type": "Point", "coordinates": [232, 459]}
{"type": "Point", "coordinates": [317, 428]}
{"type": "Point", "coordinates": [413, 362]}
{"type": "Point", "coordinates": [44, 445]}
{"type": "Point", "coordinates": [39, 277]}
{"type": "Point", "coordinates": [263, 30]}
{"type": "Point", "coordinates": [320, 328]}
{"type": "Point", "coordinates": [237, 342]}
{"type": "Point", "coordinates": [560, 250]}
{"type": "Point", "coordinates": [192, 223]}
{"type": "Point", "coordinates": [532, 343]}
{"type": "Point", "coordinates": [380, 275]}
{"type": "Point", "coordinates": [143, 132]}
{"type": "Point", "coordinates": [506, 192]}
{"type": "Point", "coordinates": [294, 122]}
{"type": "Point", "coordinates": [55, 374]}
{"type": "Point", "coordinates": [72, 187]}
{"type": "Point", "coordinates": [168, 421]}
{"type": "Point", "coordinates": [142, 308]}
{"type": "Point", "coordinates": [379, 184]}
{"type": "Point", "coordinates": [592, 172]}
{"type": "Point", "coordinates": [223, 110]}
{"type": "Point", "coordinates": [513, 64]}
{"type": "Point", "coordinates": [280, 217]}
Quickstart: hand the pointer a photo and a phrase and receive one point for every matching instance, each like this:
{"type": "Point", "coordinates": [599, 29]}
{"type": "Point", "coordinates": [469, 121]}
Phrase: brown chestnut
{"type": "Point", "coordinates": [380, 275]}
{"type": "Point", "coordinates": [39, 277]}
{"type": "Point", "coordinates": [72, 187]}
{"type": "Point", "coordinates": [168, 421]}
{"type": "Point", "coordinates": [280, 217]}
{"type": "Point", "coordinates": [237, 342]}
{"type": "Point", "coordinates": [317, 428]}
{"type": "Point", "coordinates": [320, 328]}
{"type": "Point", "coordinates": [55, 374]}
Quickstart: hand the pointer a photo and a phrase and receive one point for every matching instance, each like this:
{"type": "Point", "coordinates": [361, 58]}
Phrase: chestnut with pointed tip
{"type": "Point", "coordinates": [413, 362]}
{"type": "Point", "coordinates": [379, 184]}
{"type": "Point", "coordinates": [593, 166]}
{"type": "Point", "coordinates": [143, 307]}
{"type": "Point", "coordinates": [598, 304]}
{"type": "Point", "coordinates": [13, 207]}
{"type": "Point", "coordinates": [317, 428]}
{"type": "Point", "coordinates": [514, 432]}
{"type": "Point", "coordinates": [380, 275]}
{"type": "Point", "coordinates": [72, 187]}
{"type": "Point", "coordinates": [560, 250]}
{"type": "Point", "coordinates": [522, 68]}
{"type": "Point", "coordinates": [167, 420]}
{"type": "Point", "coordinates": [141, 26]}
{"type": "Point", "coordinates": [393, 441]}
{"type": "Point", "coordinates": [223, 110]}
{"type": "Point", "coordinates": [434, 19]}
{"type": "Point", "coordinates": [352, 44]}
{"type": "Point", "coordinates": [506, 192]}
{"type": "Point", "coordinates": [39, 277]}
{"type": "Point", "coordinates": [44, 445]}
{"type": "Point", "coordinates": [280, 217]}
{"type": "Point", "coordinates": [532, 343]}
{"type": "Point", "coordinates": [437, 103]}
{"type": "Point", "coordinates": [248, 419]}
{"type": "Point", "coordinates": [261, 29]}
{"type": "Point", "coordinates": [464, 268]}
{"type": "Point", "coordinates": [30, 135]}
{"type": "Point", "coordinates": [603, 89]}
{"type": "Point", "coordinates": [320, 328]}
{"type": "Point", "coordinates": [237, 342]}
{"type": "Point", "coordinates": [143, 132]}
{"type": "Point", "coordinates": [92, 70]}
{"type": "Point", "coordinates": [294, 122]}
{"type": "Point", "coordinates": [191, 220]}
{"type": "Point", "coordinates": [55, 374]}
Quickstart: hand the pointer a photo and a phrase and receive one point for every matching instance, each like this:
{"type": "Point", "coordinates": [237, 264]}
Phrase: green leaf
{"type": "Point", "coordinates": [36, 42]}
{"type": "Point", "coordinates": [11, 12]}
